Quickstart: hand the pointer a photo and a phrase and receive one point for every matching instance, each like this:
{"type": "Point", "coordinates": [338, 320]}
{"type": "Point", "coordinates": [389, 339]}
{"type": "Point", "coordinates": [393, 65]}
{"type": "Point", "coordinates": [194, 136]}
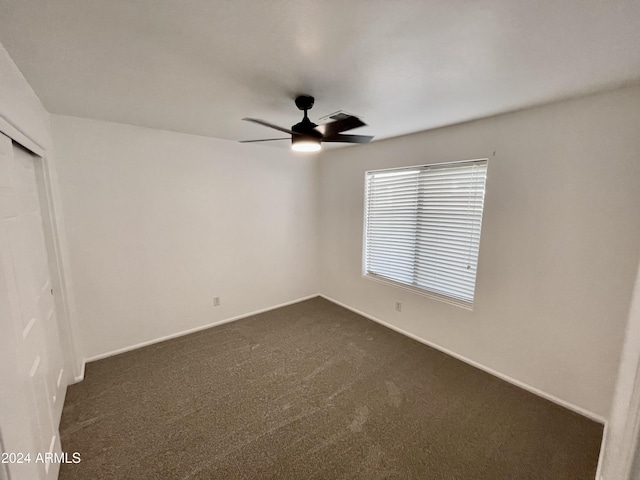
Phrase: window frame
{"type": "Point", "coordinates": [409, 287]}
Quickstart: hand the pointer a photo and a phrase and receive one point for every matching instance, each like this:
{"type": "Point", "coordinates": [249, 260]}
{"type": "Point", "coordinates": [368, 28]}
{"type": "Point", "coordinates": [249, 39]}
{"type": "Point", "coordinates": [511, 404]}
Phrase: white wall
{"type": "Point", "coordinates": [19, 105]}
{"type": "Point", "coordinates": [159, 223]}
{"type": "Point", "coordinates": [559, 244]}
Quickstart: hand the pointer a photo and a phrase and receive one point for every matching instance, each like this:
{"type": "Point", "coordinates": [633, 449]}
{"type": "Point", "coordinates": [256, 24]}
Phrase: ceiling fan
{"type": "Point", "coordinates": [306, 136]}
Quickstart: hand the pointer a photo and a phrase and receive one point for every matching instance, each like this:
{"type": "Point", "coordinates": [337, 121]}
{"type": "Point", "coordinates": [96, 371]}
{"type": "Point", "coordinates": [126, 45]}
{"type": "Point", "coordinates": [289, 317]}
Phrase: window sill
{"type": "Point", "coordinates": [420, 291]}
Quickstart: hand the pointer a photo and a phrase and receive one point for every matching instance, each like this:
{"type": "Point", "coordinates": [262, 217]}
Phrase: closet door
{"type": "Point", "coordinates": [33, 367]}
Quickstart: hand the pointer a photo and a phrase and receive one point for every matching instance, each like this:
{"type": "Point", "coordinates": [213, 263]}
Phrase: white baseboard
{"type": "Point", "coordinates": [187, 332]}
{"type": "Point", "coordinates": [502, 376]}
{"type": "Point", "coordinates": [79, 378]}
{"type": "Point", "coordinates": [563, 403]}
{"type": "Point", "coordinates": [513, 381]}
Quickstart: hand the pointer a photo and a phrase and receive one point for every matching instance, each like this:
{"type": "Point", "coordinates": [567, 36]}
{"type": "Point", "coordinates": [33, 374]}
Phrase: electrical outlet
{"type": "Point", "coordinates": [216, 301]}
{"type": "Point", "coordinates": [398, 306]}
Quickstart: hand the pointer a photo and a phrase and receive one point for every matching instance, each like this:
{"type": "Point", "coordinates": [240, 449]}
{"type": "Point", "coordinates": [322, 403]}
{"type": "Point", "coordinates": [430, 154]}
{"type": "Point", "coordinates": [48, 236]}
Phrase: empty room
{"type": "Point", "coordinates": [319, 240]}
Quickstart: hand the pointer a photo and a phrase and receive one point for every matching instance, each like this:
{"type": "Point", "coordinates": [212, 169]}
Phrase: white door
{"type": "Point", "coordinates": [31, 356]}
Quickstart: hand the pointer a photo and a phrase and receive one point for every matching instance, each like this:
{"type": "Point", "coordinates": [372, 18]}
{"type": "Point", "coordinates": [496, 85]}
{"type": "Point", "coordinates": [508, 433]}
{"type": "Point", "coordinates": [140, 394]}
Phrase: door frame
{"type": "Point", "coordinates": [622, 439]}
{"type": "Point", "coordinates": [59, 263]}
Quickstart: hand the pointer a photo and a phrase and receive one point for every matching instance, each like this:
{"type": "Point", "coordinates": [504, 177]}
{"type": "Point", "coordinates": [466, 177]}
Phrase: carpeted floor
{"type": "Point", "coordinates": [313, 391]}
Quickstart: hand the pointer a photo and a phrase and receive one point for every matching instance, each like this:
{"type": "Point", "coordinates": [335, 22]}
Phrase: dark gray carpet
{"type": "Point", "coordinates": [313, 391]}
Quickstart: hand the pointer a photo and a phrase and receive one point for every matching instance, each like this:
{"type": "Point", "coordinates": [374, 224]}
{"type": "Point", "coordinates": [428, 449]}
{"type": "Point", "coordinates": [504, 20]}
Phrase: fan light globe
{"type": "Point", "coordinates": [305, 145]}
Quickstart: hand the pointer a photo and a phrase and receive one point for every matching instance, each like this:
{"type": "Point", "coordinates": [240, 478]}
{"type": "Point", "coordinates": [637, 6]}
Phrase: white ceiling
{"type": "Point", "coordinates": [199, 66]}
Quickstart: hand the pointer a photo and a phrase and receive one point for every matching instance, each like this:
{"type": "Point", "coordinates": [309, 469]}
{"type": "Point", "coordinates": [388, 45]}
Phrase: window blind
{"type": "Point", "coordinates": [422, 227]}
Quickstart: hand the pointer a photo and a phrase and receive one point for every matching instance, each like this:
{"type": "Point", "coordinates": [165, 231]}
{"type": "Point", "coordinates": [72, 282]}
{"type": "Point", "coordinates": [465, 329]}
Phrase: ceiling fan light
{"type": "Point", "coordinates": [305, 144]}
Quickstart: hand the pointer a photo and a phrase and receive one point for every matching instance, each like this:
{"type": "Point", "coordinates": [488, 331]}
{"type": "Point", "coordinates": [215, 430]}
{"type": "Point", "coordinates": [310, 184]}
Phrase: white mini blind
{"type": "Point", "coordinates": [422, 227]}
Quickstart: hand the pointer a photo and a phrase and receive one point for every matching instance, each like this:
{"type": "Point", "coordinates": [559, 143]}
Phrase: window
{"type": "Point", "coordinates": [422, 228]}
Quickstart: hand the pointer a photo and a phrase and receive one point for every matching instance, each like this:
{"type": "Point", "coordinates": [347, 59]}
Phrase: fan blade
{"type": "Point", "coordinates": [342, 125]}
{"type": "Point", "coordinates": [270, 125]}
{"type": "Point", "coordinates": [264, 140]}
{"type": "Point", "coordinates": [348, 138]}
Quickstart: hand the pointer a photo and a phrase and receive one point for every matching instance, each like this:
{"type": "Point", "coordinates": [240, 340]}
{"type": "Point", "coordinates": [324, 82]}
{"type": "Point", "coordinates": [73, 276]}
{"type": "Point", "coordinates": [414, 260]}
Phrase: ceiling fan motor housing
{"type": "Point", "coordinates": [304, 102]}
{"type": "Point", "coordinates": [307, 128]}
